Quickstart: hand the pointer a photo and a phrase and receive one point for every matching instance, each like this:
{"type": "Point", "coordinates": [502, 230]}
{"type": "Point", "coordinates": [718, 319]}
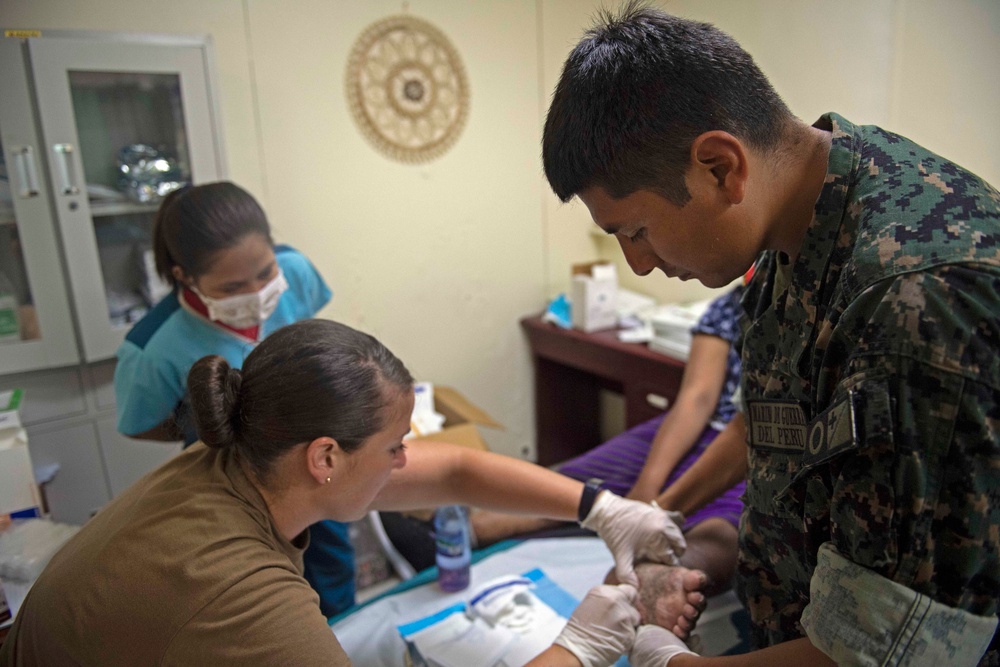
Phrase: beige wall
{"type": "Point", "coordinates": [440, 260]}
{"type": "Point", "coordinates": [923, 68]}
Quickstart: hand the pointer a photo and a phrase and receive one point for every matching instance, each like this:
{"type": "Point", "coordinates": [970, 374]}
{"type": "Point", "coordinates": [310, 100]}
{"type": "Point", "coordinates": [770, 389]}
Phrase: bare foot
{"type": "Point", "coordinates": [670, 596]}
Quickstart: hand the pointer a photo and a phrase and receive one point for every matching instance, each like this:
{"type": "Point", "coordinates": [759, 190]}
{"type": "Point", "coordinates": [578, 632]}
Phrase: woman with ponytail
{"type": "Point", "coordinates": [233, 287]}
{"type": "Point", "coordinates": [200, 562]}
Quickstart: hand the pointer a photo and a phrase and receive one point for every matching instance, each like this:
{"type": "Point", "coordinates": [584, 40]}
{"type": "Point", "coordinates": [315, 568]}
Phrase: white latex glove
{"type": "Point", "coordinates": [636, 531]}
{"type": "Point", "coordinates": [655, 647]}
{"type": "Point", "coordinates": [602, 627]}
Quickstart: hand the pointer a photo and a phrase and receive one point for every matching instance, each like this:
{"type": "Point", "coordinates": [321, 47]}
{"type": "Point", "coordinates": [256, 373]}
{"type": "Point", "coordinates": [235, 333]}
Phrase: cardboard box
{"type": "Point", "coordinates": [593, 294]}
{"type": "Point", "coordinates": [462, 420]}
{"type": "Point", "coordinates": [19, 496]}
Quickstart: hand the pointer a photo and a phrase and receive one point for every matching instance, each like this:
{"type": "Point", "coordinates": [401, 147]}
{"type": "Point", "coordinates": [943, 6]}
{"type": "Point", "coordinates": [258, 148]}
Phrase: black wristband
{"type": "Point", "coordinates": [590, 490]}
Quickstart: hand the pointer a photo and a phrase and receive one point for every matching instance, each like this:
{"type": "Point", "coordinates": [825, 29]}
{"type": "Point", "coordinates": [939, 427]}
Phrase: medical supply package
{"type": "Point", "coordinates": [672, 324]}
{"type": "Point", "coordinates": [19, 495]}
{"type": "Point", "coordinates": [505, 622]}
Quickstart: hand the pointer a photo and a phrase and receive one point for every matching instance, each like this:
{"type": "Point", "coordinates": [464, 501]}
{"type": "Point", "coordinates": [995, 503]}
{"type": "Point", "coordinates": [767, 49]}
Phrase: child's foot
{"type": "Point", "coordinates": [670, 596]}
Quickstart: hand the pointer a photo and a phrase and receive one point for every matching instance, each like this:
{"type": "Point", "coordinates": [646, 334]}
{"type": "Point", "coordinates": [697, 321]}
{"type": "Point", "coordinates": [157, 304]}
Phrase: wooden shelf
{"type": "Point", "coordinates": [571, 367]}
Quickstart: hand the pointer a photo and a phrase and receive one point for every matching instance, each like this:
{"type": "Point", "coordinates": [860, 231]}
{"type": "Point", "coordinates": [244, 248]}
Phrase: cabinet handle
{"type": "Point", "coordinates": [64, 161]}
{"type": "Point", "coordinates": [24, 158]}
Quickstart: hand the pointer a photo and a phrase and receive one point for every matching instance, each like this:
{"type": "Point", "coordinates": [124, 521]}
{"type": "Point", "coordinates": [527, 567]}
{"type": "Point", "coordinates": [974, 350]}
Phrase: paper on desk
{"type": "Point", "coordinates": [632, 304]}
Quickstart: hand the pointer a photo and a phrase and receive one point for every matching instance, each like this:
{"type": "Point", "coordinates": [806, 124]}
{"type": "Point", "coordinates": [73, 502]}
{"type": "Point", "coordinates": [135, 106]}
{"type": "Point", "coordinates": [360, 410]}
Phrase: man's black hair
{"type": "Point", "coordinates": [635, 93]}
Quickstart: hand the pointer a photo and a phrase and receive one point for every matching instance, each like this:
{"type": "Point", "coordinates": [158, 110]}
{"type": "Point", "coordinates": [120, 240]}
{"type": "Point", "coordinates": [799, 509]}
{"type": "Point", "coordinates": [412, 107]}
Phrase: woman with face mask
{"type": "Point", "coordinates": [232, 288]}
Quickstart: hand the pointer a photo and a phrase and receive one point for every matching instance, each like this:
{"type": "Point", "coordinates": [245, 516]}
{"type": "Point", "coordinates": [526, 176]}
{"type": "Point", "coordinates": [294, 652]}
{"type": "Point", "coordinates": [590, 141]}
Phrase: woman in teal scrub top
{"type": "Point", "coordinates": [232, 288]}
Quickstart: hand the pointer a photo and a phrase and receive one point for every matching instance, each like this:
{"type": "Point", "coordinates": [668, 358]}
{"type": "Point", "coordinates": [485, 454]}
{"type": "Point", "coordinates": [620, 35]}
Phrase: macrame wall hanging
{"type": "Point", "coordinates": [407, 89]}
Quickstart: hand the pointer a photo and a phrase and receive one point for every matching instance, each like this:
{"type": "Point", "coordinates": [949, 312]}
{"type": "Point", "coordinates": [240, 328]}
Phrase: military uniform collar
{"type": "Point", "coordinates": [807, 296]}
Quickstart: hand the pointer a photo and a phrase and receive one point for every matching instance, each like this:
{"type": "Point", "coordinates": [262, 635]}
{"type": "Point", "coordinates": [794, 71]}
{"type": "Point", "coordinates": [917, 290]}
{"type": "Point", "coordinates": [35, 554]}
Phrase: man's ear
{"type": "Point", "coordinates": [324, 459]}
{"type": "Point", "coordinates": [720, 159]}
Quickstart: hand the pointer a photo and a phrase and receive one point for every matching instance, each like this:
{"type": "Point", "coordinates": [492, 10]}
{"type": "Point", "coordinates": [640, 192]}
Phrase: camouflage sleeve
{"type": "Point", "coordinates": [912, 476]}
{"type": "Point", "coordinates": [860, 618]}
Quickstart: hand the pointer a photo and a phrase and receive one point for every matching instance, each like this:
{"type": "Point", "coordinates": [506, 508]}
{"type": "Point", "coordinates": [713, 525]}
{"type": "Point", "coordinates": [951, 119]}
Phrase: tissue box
{"type": "Point", "coordinates": [594, 295]}
{"type": "Point", "coordinates": [19, 497]}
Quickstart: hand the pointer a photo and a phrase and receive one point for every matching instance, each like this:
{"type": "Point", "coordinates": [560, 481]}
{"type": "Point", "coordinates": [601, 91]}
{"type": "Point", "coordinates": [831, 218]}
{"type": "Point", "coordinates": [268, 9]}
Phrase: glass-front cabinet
{"type": "Point", "coordinates": [124, 123]}
{"type": "Point", "coordinates": [95, 130]}
{"type": "Point", "coordinates": [36, 327]}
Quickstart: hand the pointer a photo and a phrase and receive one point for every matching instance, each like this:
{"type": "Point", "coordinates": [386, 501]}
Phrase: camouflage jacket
{"type": "Point", "coordinates": [871, 384]}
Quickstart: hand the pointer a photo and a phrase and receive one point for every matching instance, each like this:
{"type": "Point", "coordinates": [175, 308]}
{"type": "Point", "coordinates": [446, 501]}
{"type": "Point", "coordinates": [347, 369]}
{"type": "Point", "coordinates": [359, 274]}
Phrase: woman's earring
{"type": "Point", "coordinates": [327, 480]}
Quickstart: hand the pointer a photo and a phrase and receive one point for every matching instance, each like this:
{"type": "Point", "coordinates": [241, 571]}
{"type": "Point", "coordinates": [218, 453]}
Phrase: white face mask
{"type": "Point", "coordinates": [242, 311]}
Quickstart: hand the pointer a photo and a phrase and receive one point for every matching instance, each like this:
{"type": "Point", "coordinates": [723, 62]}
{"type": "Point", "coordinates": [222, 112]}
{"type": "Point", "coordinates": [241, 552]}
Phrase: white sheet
{"type": "Point", "coordinates": [575, 563]}
{"type": "Point", "coordinates": [370, 637]}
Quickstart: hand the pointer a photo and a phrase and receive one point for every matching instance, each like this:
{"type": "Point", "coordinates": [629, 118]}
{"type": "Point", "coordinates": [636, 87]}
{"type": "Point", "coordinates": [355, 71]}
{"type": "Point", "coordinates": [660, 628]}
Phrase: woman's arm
{"type": "Point", "coordinates": [442, 474]}
{"type": "Point", "coordinates": [723, 464]}
{"type": "Point", "coordinates": [701, 387]}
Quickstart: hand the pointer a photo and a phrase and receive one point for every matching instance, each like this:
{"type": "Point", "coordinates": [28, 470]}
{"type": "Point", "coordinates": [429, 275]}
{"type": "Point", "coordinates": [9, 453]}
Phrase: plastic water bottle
{"type": "Point", "coordinates": [454, 554]}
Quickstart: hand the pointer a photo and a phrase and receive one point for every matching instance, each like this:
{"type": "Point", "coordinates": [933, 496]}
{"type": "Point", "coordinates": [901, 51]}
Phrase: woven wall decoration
{"type": "Point", "coordinates": [407, 89]}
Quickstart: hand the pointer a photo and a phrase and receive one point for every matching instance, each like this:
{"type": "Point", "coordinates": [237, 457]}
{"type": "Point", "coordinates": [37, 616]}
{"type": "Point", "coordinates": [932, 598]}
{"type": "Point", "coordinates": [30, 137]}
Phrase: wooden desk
{"type": "Point", "coordinates": [571, 368]}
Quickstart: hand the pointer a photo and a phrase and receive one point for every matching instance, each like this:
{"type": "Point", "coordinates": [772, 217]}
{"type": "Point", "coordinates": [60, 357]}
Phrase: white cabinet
{"type": "Point", "coordinates": [94, 129]}
{"type": "Point", "coordinates": [96, 98]}
{"type": "Point", "coordinates": [41, 332]}
{"type": "Point", "coordinates": [126, 459]}
{"type": "Point", "coordinates": [80, 487]}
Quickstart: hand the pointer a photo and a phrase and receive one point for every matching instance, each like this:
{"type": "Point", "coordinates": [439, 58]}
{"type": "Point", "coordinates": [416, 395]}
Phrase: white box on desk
{"type": "Point", "coordinates": [18, 492]}
{"type": "Point", "coordinates": [594, 296]}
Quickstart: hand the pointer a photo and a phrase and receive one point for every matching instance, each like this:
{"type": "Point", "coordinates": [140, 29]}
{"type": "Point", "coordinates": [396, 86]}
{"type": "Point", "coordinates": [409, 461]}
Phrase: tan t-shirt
{"type": "Point", "coordinates": [186, 567]}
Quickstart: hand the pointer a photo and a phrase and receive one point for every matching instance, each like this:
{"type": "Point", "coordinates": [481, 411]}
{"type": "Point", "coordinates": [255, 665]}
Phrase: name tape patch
{"type": "Point", "coordinates": [778, 425]}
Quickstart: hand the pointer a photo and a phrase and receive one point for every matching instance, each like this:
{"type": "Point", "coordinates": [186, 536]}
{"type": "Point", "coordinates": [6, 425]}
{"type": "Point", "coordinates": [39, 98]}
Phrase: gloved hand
{"type": "Point", "coordinates": [655, 647]}
{"type": "Point", "coordinates": [602, 627]}
{"type": "Point", "coordinates": [636, 531]}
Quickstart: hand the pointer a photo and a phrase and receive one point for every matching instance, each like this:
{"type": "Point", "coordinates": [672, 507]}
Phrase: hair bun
{"type": "Point", "coordinates": [233, 381]}
{"type": "Point", "coordinates": [214, 387]}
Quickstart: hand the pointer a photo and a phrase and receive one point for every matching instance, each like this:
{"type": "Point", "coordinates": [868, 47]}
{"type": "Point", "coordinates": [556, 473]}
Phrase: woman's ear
{"type": "Point", "coordinates": [324, 459]}
{"type": "Point", "coordinates": [720, 159]}
{"type": "Point", "coordinates": [181, 277]}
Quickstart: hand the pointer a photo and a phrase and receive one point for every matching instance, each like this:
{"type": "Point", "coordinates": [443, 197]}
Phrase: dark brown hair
{"type": "Point", "coordinates": [635, 93]}
{"type": "Point", "coordinates": [310, 379]}
{"type": "Point", "coordinates": [195, 222]}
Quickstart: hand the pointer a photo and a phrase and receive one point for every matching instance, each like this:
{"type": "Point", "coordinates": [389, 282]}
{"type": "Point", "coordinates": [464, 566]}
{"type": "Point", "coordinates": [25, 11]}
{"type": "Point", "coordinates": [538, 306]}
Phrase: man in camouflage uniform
{"type": "Point", "coordinates": [870, 392]}
{"type": "Point", "coordinates": [870, 436]}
